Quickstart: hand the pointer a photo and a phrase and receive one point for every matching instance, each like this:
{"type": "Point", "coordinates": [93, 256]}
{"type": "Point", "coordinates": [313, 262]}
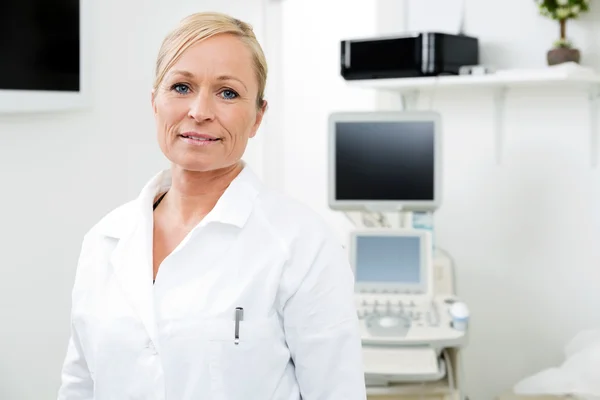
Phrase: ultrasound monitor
{"type": "Point", "coordinates": [391, 261]}
{"type": "Point", "coordinates": [385, 161]}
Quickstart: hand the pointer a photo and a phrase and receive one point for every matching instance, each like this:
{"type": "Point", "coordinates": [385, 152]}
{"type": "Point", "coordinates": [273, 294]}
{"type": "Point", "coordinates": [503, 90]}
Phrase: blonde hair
{"type": "Point", "coordinates": [200, 26]}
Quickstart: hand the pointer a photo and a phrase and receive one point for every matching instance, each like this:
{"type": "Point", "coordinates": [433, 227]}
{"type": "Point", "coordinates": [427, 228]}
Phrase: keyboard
{"type": "Point", "coordinates": [423, 313]}
{"type": "Point", "coordinates": [392, 320]}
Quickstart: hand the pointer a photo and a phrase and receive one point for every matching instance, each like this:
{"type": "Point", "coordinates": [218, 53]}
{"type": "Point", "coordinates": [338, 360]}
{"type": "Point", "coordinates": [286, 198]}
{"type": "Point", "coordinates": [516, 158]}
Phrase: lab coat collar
{"type": "Point", "coordinates": [234, 207]}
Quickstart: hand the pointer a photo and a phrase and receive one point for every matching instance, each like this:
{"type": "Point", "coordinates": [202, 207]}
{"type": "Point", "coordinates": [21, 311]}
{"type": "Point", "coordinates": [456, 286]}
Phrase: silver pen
{"type": "Point", "coordinates": [239, 315]}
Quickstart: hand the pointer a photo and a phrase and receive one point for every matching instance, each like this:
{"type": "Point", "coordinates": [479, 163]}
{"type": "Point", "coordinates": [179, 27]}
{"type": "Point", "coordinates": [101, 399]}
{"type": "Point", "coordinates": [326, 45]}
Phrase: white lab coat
{"type": "Point", "coordinates": [174, 340]}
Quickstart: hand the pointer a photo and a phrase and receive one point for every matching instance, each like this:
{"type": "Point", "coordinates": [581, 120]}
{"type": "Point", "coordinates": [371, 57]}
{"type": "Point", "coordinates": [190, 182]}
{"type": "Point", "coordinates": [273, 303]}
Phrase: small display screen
{"type": "Point", "coordinates": [39, 45]}
{"type": "Point", "coordinates": [385, 161]}
{"type": "Point", "coordinates": [388, 259]}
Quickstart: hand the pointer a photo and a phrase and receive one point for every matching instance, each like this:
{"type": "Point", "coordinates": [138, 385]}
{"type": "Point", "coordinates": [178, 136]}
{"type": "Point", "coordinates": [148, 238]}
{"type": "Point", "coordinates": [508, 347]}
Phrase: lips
{"type": "Point", "coordinates": [199, 137]}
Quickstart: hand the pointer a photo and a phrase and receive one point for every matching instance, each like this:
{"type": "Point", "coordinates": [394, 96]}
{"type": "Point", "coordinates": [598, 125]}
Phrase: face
{"type": "Point", "coordinates": [206, 107]}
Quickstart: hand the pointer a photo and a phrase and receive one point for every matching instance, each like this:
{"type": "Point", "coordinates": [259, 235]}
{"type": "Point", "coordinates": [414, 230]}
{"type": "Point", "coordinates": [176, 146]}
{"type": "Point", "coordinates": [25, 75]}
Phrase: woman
{"type": "Point", "coordinates": [208, 285]}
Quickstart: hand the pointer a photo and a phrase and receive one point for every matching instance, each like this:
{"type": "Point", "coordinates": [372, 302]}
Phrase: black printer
{"type": "Point", "coordinates": [412, 55]}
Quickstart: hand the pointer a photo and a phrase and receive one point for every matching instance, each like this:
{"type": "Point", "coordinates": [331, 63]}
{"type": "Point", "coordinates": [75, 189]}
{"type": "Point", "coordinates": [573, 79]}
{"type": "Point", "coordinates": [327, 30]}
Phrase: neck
{"type": "Point", "coordinates": [194, 194]}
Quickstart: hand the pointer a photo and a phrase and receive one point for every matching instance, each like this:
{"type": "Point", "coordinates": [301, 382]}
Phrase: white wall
{"type": "Point", "coordinates": [62, 172]}
{"type": "Point", "coordinates": [524, 233]}
{"type": "Point", "coordinates": [313, 89]}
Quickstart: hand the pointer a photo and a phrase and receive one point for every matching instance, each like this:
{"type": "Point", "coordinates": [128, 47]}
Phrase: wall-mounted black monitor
{"type": "Point", "coordinates": [41, 54]}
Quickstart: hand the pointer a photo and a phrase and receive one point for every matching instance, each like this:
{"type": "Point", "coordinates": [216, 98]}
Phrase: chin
{"type": "Point", "coordinates": [199, 164]}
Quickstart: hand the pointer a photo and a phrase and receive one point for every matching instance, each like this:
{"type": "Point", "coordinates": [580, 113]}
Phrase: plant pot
{"type": "Point", "coordinates": [561, 55]}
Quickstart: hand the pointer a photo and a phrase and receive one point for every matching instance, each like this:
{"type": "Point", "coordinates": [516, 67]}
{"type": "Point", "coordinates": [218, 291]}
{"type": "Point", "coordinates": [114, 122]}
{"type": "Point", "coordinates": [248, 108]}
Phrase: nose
{"type": "Point", "coordinates": [201, 108]}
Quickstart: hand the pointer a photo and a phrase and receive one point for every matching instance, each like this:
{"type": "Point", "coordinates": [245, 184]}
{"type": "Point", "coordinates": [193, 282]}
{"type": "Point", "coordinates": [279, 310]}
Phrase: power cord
{"type": "Point", "coordinates": [375, 220]}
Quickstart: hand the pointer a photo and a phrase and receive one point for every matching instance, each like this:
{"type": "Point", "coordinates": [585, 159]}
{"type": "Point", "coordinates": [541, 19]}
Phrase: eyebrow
{"type": "Point", "coordinates": [188, 74]}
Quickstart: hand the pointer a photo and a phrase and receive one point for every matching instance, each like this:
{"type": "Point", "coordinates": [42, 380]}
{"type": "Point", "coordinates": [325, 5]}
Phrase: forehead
{"type": "Point", "coordinates": [219, 55]}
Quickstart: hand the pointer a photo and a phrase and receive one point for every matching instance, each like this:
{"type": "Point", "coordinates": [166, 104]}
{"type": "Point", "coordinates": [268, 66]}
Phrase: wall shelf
{"type": "Point", "coordinates": [565, 75]}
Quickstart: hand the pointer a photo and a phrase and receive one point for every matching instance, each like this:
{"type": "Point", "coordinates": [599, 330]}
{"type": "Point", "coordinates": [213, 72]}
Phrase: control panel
{"type": "Point", "coordinates": [404, 321]}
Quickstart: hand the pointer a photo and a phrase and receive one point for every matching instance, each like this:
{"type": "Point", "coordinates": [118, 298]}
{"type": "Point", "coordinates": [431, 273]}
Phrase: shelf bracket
{"type": "Point", "coordinates": [499, 133]}
{"type": "Point", "coordinates": [594, 96]}
{"type": "Point", "coordinates": [409, 100]}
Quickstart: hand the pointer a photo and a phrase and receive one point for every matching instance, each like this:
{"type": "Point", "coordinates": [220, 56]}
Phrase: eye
{"type": "Point", "coordinates": [181, 88]}
{"type": "Point", "coordinates": [229, 94]}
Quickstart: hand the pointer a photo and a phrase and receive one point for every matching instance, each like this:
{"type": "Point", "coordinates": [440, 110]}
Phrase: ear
{"type": "Point", "coordinates": [152, 101]}
{"type": "Point", "coordinates": [259, 117]}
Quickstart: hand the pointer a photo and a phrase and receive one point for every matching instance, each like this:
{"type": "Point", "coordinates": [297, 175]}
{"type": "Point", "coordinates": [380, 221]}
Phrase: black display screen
{"type": "Point", "coordinates": [385, 161]}
{"type": "Point", "coordinates": [39, 45]}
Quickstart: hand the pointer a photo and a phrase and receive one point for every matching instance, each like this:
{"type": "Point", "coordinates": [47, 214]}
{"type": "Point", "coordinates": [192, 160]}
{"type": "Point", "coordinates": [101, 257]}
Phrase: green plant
{"type": "Point", "coordinates": [561, 11]}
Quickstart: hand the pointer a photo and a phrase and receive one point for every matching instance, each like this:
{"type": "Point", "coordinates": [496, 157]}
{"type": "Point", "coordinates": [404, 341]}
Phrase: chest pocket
{"type": "Point", "coordinates": [252, 368]}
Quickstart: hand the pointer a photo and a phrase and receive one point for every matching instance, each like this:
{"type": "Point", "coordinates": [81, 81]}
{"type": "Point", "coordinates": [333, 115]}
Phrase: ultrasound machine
{"type": "Point", "coordinates": [385, 164]}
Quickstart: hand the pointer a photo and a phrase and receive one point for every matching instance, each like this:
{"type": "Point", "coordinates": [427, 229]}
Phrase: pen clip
{"type": "Point", "coordinates": [239, 316]}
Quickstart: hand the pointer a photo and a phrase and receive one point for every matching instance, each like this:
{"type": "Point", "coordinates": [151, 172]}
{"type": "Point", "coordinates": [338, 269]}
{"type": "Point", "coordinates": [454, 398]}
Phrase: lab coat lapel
{"type": "Point", "coordinates": [131, 259]}
{"type": "Point", "coordinates": [132, 265]}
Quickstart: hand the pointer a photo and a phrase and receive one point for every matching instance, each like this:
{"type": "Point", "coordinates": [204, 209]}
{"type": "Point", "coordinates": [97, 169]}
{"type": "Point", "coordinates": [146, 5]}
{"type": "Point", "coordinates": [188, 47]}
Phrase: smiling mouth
{"type": "Point", "coordinates": [200, 139]}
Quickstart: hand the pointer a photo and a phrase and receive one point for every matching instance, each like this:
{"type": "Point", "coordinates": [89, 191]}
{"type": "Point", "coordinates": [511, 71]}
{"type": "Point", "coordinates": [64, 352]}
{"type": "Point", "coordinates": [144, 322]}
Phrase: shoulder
{"type": "Point", "coordinates": [116, 222]}
{"type": "Point", "coordinates": [301, 229]}
{"type": "Point", "coordinates": [95, 247]}
{"type": "Point", "coordinates": [289, 215]}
